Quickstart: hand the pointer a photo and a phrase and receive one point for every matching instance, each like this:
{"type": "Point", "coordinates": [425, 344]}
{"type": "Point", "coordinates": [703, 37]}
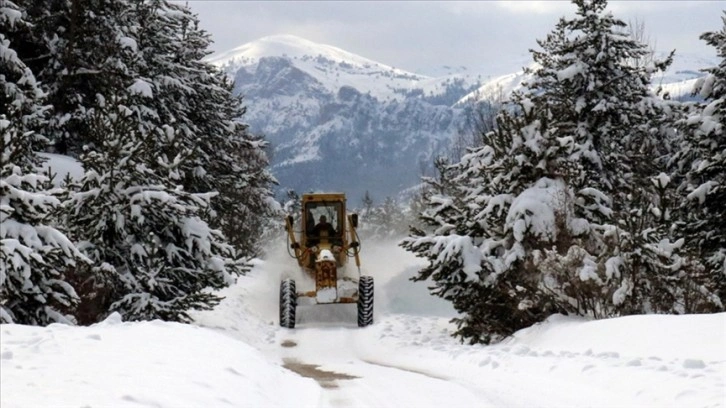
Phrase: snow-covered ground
{"type": "Point", "coordinates": [61, 167]}
{"type": "Point", "coordinates": [237, 356]}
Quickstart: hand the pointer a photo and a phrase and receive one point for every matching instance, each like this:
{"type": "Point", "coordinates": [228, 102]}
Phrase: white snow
{"type": "Point", "coordinates": [678, 89]}
{"type": "Point", "coordinates": [326, 295]}
{"type": "Point", "coordinates": [678, 81]}
{"type": "Point", "coordinates": [333, 67]}
{"type": "Point", "coordinates": [534, 210]}
{"type": "Point", "coordinates": [706, 86]}
{"type": "Point", "coordinates": [572, 71]}
{"type": "Point", "coordinates": [115, 364]}
{"type": "Point", "coordinates": [499, 88]}
{"type": "Point", "coordinates": [661, 180]}
{"type": "Point", "coordinates": [142, 88]}
{"type": "Point", "coordinates": [61, 166]}
{"type": "Point", "coordinates": [451, 246]}
{"type": "Point", "coordinates": [129, 43]}
{"type": "Point", "coordinates": [702, 191]}
{"type": "Point", "coordinates": [11, 16]}
{"type": "Point", "coordinates": [235, 355]}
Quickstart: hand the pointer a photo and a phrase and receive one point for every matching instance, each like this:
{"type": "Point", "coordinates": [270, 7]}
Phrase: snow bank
{"type": "Point", "coordinates": [62, 166]}
{"type": "Point", "coordinates": [114, 364]}
{"type": "Point", "coordinates": [637, 361]}
{"type": "Point", "coordinates": [666, 337]}
{"type": "Point", "coordinates": [234, 355]}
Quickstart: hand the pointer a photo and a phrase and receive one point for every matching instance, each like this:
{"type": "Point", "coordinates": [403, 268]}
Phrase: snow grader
{"type": "Point", "coordinates": [322, 242]}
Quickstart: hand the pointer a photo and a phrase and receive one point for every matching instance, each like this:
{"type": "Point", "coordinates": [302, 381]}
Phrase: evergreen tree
{"type": "Point", "coordinates": [195, 102]}
{"type": "Point", "coordinates": [154, 252]}
{"type": "Point", "coordinates": [617, 133]}
{"type": "Point", "coordinates": [444, 240]}
{"type": "Point", "coordinates": [33, 254]}
{"type": "Point", "coordinates": [77, 48]}
{"type": "Point", "coordinates": [553, 212]}
{"type": "Point", "coordinates": [151, 248]}
{"type": "Point", "coordinates": [168, 164]}
{"type": "Point", "coordinates": [81, 48]}
{"type": "Point", "coordinates": [702, 161]}
{"type": "Point", "coordinates": [386, 221]}
{"type": "Point", "coordinates": [367, 203]}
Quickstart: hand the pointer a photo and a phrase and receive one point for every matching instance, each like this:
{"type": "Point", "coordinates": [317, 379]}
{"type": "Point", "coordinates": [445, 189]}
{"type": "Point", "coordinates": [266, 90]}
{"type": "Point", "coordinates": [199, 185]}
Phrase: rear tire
{"type": "Point", "coordinates": [288, 303]}
{"type": "Point", "coordinates": [365, 301]}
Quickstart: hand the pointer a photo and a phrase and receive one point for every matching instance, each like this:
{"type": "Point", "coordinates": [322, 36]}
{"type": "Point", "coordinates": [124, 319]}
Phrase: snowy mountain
{"type": "Point", "coordinates": [496, 89]}
{"type": "Point", "coordinates": [682, 75]}
{"type": "Point", "coordinates": [677, 81]}
{"type": "Point", "coordinates": [342, 122]}
{"type": "Point", "coordinates": [334, 68]}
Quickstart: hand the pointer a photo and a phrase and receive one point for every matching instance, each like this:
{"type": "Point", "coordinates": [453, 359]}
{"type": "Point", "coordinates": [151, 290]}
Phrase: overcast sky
{"type": "Point", "coordinates": [418, 36]}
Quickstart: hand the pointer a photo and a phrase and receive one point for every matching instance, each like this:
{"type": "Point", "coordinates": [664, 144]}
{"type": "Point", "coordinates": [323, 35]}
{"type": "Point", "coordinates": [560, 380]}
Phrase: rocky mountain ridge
{"type": "Point", "coordinates": [341, 122]}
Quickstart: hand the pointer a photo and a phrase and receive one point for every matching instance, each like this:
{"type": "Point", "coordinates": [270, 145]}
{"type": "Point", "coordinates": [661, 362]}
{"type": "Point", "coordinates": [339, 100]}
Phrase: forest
{"type": "Point", "coordinates": [585, 194]}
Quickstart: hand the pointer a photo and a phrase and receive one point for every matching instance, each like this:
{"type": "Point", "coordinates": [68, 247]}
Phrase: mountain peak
{"type": "Point", "coordinates": [330, 66]}
{"type": "Point", "coordinates": [275, 45]}
{"type": "Point", "coordinates": [290, 46]}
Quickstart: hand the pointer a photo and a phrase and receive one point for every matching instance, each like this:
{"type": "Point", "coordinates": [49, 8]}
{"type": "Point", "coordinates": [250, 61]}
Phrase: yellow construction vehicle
{"type": "Point", "coordinates": [322, 241]}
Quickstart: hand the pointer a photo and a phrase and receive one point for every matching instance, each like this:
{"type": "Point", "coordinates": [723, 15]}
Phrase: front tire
{"type": "Point", "coordinates": [288, 303]}
{"type": "Point", "coordinates": [365, 301]}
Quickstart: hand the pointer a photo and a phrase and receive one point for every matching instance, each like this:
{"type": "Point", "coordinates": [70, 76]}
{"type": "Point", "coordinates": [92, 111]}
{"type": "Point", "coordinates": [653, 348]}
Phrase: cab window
{"type": "Point", "coordinates": [330, 212]}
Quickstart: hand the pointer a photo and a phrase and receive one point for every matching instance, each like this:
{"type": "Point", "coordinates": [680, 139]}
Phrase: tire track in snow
{"type": "Point", "coordinates": [326, 379]}
{"type": "Point", "coordinates": [410, 370]}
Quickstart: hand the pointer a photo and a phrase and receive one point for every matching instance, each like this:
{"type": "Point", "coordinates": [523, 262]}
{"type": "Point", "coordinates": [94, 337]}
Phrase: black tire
{"type": "Point", "coordinates": [288, 303]}
{"type": "Point", "coordinates": [365, 301]}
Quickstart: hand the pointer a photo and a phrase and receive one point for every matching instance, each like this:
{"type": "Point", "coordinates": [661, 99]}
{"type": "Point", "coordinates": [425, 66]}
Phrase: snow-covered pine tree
{"type": "Point", "coordinates": [545, 190]}
{"type": "Point", "coordinates": [196, 101]}
{"type": "Point", "coordinates": [388, 220]}
{"type": "Point", "coordinates": [77, 48]}
{"type": "Point", "coordinates": [446, 242]}
{"type": "Point", "coordinates": [702, 160]}
{"type": "Point", "coordinates": [616, 131]}
{"type": "Point", "coordinates": [151, 248]}
{"type": "Point", "coordinates": [154, 253]}
{"type": "Point", "coordinates": [482, 258]}
{"type": "Point", "coordinates": [235, 160]}
{"type": "Point", "coordinates": [235, 165]}
{"type": "Point", "coordinates": [33, 254]}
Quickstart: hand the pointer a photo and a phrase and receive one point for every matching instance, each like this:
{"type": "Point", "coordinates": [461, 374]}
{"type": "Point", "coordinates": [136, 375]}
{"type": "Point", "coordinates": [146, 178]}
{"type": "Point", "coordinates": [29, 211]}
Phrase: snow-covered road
{"type": "Point", "coordinates": [238, 356]}
{"type": "Point", "coordinates": [409, 359]}
{"type": "Point", "coordinates": [328, 347]}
